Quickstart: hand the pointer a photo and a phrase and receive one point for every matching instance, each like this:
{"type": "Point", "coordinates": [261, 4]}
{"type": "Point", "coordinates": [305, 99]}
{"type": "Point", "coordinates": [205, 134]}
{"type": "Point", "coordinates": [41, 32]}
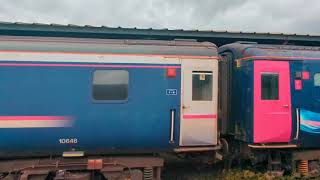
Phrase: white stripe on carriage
{"type": "Point", "coordinates": [35, 123]}
{"type": "Point", "coordinates": [86, 58]}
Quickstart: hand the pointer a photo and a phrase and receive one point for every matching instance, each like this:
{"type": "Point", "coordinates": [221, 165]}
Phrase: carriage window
{"type": "Point", "coordinates": [270, 86]}
{"type": "Point", "coordinates": [110, 84]}
{"type": "Point", "coordinates": [316, 79]}
{"type": "Point", "coordinates": [202, 86]}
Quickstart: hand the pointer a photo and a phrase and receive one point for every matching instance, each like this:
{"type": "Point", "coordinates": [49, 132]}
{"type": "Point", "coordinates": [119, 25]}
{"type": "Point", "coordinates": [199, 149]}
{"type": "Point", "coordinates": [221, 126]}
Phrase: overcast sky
{"type": "Point", "coordinates": [289, 16]}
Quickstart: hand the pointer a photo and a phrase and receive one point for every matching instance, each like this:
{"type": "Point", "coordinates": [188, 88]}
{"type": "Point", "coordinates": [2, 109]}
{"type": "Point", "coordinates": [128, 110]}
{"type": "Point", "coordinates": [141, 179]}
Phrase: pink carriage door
{"type": "Point", "coordinates": [272, 102]}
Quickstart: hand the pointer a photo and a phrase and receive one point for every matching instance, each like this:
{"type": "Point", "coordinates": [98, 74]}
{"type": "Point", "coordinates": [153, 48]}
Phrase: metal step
{"type": "Point", "coordinates": [196, 148]}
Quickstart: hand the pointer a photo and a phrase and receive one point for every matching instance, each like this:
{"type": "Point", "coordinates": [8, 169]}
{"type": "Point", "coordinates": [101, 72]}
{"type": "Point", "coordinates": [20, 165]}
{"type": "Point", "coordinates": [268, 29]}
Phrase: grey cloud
{"type": "Point", "coordinates": [289, 16]}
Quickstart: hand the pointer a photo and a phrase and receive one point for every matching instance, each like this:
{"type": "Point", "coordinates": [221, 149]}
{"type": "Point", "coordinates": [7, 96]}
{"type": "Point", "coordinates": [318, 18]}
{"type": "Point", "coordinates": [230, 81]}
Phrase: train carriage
{"type": "Point", "coordinates": [80, 97]}
{"type": "Point", "coordinates": [270, 98]}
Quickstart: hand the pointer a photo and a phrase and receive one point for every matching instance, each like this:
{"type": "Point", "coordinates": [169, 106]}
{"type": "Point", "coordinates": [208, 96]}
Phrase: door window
{"type": "Point", "coordinates": [316, 79]}
{"type": "Point", "coordinates": [202, 86]}
{"type": "Point", "coordinates": [269, 86]}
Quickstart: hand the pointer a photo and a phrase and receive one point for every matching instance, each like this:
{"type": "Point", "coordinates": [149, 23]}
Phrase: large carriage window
{"type": "Point", "coordinates": [110, 85]}
{"type": "Point", "coordinates": [202, 86]}
{"type": "Point", "coordinates": [316, 79]}
{"type": "Point", "coordinates": [269, 86]}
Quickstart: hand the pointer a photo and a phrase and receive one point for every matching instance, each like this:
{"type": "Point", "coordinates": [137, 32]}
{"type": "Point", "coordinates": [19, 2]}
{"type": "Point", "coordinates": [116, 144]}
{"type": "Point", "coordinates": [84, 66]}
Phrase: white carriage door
{"type": "Point", "coordinates": [198, 125]}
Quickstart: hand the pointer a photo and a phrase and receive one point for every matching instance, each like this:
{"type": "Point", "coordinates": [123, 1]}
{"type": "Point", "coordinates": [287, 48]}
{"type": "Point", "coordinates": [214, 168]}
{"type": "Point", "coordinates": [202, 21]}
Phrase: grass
{"type": "Point", "coordinates": [229, 175]}
{"type": "Point", "coordinates": [185, 171]}
{"type": "Point", "coordinates": [251, 175]}
{"type": "Point", "coordinates": [182, 169]}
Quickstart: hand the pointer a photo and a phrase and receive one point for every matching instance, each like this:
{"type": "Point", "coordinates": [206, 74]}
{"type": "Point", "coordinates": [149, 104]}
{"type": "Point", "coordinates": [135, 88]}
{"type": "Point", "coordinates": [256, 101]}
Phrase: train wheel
{"type": "Point", "coordinates": [314, 169]}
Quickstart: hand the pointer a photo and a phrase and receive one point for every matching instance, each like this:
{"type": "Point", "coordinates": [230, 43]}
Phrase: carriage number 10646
{"type": "Point", "coordinates": [68, 141]}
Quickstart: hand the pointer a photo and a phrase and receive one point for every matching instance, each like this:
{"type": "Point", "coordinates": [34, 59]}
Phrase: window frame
{"type": "Point", "coordinates": [261, 88]}
{"type": "Point", "coordinates": [314, 79]}
{"type": "Point", "coordinates": [199, 73]}
{"type": "Point", "coordinates": [108, 101]}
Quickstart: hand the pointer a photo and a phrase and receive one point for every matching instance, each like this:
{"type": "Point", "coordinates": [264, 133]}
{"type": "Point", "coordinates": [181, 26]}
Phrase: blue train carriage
{"type": "Point", "coordinates": [273, 101]}
{"type": "Point", "coordinates": [83, 97]}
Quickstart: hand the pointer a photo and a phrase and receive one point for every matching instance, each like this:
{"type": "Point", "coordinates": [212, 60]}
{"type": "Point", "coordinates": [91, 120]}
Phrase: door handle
{"type": "Point", "coordinates": [298, 124]}
{"type": "Point", "coordinates": [172, 119]}
{"type": "Point", "coordinates": [185, 107]}
{"type": "Point", "coordinates": [285, 105]}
